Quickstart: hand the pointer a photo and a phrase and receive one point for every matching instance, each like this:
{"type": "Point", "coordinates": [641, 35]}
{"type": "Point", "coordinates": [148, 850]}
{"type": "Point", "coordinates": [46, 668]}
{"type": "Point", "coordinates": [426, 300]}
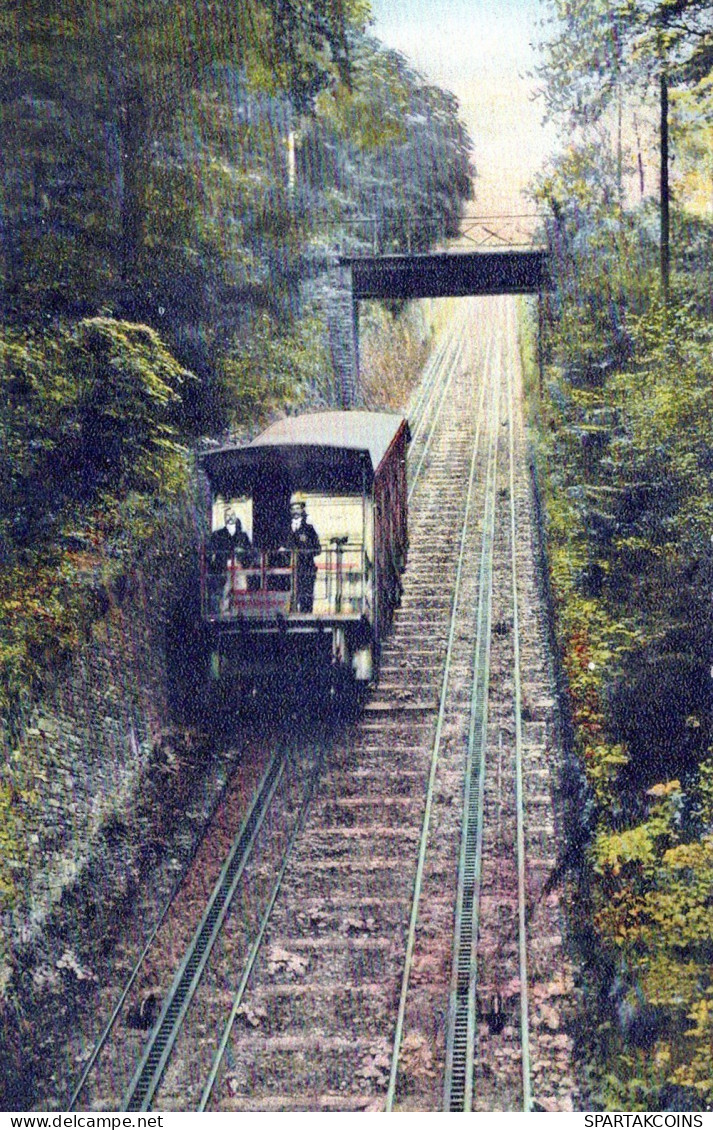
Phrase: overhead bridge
{"type": "Point", "coordinates": [436, 275]}
{"type": "Point", "coordinates": [448, 274]}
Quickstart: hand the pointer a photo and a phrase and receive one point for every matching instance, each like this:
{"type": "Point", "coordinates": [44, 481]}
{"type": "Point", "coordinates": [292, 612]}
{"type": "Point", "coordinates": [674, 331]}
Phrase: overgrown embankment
{"type": "Point", "coordinates": [623, 419]}
{"type": "Point", "coordinates": [394, 346]}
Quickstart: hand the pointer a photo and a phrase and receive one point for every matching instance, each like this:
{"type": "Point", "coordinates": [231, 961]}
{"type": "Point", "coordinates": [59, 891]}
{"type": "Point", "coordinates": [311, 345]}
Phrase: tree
{"type": "Point", "coordinates": [600, 44]}
{"type": "Point", "coordinates": [90, 460]}
{"type": "Point", "coordinates": [90, 411]}
{"type": "Point", "coordinates": [390, 150]}
{"type": "Point", "coordinates": [89, 96]}
{"type": "Point", "coordinates": [143, 173]}
{"type": "Point", "coordinates": [602, 49]}
{"type": "Point", "coordinates": [146, 164]}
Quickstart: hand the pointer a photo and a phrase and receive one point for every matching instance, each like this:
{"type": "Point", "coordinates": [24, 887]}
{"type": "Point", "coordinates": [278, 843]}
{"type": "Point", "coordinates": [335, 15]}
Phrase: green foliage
{"type": "Point", "coordinates": [625, 424]}
{"type": "Point", "coordinates": [88, 410]}
{"type": "Point", "coordinates": [87, 431]}
{"type": "Point", "coordinates": [148, 174]}
{"type": "Point", "coordinates": [130, 187]}
{"type": "Point", "coordinates": [270, 370]}
{"type": "Point", "coordinates": [653, 905]}
{"type": "Point", "coordinates": [393, 348]}
{"type": "Point", "coordinates": [125, 387]}
{"type": "Point", "coordinates": [599, 48]}
{"type": "Point", "coordinates": [692, 139]}
{"type": "Point", "coordinates": [391, 149]}
{"type": "Point", "coordinates": [11, 846]}
{"type": "Point", "coordinates": [629, 529]}
{"type": "Point", "coordinates": [604, 259]}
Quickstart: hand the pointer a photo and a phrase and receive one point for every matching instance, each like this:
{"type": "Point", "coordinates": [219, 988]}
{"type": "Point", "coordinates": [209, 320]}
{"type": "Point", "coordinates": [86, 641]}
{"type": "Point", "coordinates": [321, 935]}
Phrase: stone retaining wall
{"type": "Point", "coordinates": [94, 785]}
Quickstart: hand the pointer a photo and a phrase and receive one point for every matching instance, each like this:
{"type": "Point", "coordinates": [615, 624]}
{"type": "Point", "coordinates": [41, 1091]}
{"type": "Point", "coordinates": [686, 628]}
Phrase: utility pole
{"type": "Point", "coordinates": [619, 154]}
{"type": "Point", "coordinates": [665, 191]}
{"type": "Point", "coordinates": [291, 160]}
{"type": "Point", "coordinates": [619, 116]}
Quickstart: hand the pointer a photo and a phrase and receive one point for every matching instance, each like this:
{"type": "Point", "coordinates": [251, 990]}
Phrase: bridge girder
{"type": "Point", "coordinates": [448, 274]}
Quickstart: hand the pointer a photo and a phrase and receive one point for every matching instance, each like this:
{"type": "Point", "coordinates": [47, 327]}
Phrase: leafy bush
{"type": "Point", "coordinates": [89, 456]}
{"type": "Point", "coordinates": [270, 370]}
{"type": "Point", "coordinates": [625, 427]}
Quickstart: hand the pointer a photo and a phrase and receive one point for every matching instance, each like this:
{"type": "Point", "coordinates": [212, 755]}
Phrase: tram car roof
{"type": "Point", "coordinates": [320, 451]}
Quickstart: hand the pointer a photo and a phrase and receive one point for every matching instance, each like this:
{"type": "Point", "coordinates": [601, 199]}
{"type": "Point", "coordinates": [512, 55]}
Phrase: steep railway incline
{"type": "Point", "coordinates": [361, 938]}
{"type": "Point", "coordinates": [519, 776]}
{"type": "Point", "coordinates": [506, 982]}
{"type": "Point", "coordinates": [358, 965]}
{"type": "Point", "coordinates": [315, 1034]}
{"type": "Point", "coordinates": [502, 976]}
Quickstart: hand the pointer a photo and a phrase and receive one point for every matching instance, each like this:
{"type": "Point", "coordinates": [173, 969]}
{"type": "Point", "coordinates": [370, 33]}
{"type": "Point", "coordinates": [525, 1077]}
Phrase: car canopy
{"type": "Point", "coordinates": [330, 452]}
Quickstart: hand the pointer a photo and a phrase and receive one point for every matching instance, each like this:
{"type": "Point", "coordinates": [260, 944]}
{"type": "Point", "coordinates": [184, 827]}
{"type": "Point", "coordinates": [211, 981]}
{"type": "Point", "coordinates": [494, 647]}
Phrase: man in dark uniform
{"type": "Point", "coordinates": [229, 548]}
{"type": "Point", "coordinates": [305, 545]}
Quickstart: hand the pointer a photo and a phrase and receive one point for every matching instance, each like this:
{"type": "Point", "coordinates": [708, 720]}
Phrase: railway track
{"type": "Point", "coordinates": [505, 1043]}
{"type": "Point", "coordinates": [123, 1061]}
{"type": "Point", "coordinates": [325, 972]}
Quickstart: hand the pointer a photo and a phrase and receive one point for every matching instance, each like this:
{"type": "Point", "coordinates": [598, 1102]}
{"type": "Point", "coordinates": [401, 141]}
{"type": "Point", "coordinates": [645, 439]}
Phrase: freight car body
{"type": "Point", "coordinates": [322, 499]}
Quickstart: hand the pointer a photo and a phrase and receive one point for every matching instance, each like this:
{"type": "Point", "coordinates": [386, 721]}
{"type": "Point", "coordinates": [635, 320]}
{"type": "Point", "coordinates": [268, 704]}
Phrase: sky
{"type": "Point", "coordinates": [481, 51]}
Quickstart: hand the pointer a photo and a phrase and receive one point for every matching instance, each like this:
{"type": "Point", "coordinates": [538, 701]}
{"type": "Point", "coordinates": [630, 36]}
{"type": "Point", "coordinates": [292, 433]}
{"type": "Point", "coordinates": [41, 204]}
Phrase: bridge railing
{"type": "Point", "coordinates": [363, 235]}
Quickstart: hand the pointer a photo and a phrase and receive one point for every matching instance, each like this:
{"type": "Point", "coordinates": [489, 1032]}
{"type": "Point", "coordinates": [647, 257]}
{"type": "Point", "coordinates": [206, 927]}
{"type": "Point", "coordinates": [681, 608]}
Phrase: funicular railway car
{"type": "Point", "coordinates": [308, 538]}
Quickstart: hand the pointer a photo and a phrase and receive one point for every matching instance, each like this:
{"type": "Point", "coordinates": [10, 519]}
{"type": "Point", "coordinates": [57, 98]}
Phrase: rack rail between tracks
{"type": "Point", "coordinates": [188, 975]}
{"type": "Point", "coordinates": [435, 753]}
{"type": "Point", "coordinates": [462, 1025]}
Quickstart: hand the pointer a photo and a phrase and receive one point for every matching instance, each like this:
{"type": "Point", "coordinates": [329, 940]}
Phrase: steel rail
{"type": "Point", "coordinates": [520, 829]}
{"type": "Point", "coordinates": [460, 1038]}
{"type": "Point", "coordinates": [435, 754]}
{"type": "Point", "coordinates": [417, 410]}
{"type": "Point", "coordinates": [424, 390]}
{"type": "Point", "coordinates": [457, 354]}
{"type": "Point", "coordinates": [449, 356]}
{"type": "Point", "coordinates": [462, 1024]}
{"type": "Point", "coordinates": [431, 410]}
{"type": "Point", "coordinates": [257, 943]}
{"type": "Point", "coordinates": [163, 1037]}
{"type": "Point", "coordinates": [109, 1026]}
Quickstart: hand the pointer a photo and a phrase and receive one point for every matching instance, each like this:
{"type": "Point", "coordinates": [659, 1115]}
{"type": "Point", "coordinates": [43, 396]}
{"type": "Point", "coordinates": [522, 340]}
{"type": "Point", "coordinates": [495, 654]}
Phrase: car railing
{"type": "Point", "coordinates": [273, 583]}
